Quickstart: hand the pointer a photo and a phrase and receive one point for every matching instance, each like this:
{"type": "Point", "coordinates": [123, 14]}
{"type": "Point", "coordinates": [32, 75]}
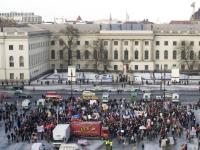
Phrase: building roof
{"type": "Point", "coordinates": [83, 28]}
{"type": "Point", "coordinates": [180, 22]}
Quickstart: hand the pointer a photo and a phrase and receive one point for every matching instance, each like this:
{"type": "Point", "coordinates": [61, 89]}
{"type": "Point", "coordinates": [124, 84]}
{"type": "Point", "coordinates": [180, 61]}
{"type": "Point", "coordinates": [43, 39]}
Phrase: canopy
{"type": "Point", "coordinates": [142, 128]}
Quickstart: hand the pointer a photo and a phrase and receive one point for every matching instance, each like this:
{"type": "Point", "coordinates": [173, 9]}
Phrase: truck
{"type": "Point", "coordinates": [61, 134]}
{"type": "Point", "coordinates": [88, 95]}
{"type": "Point", "coordinates": [89, 129]}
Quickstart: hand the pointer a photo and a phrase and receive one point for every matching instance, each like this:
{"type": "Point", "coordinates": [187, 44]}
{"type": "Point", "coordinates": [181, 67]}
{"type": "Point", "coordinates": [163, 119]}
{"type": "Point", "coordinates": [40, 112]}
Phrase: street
{"type": "Point", "coordinates": [186, 96]}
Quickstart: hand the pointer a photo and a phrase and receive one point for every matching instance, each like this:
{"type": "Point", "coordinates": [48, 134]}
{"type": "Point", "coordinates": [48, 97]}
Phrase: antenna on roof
{"type": "Point", "coordinates": [110, 19]}
{"type": "Point", "coordinates": [193, 10]}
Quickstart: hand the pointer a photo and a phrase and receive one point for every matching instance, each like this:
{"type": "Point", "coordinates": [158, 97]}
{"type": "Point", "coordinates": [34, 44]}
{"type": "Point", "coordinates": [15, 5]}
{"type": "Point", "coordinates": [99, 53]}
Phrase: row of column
{"type": "Point", "coordinates": [131, 48]}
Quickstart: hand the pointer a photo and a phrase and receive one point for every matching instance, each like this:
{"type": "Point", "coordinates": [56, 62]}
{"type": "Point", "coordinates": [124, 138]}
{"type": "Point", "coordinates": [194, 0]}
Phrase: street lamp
{"type": "Point", "coordinates": [121, 115]}
{"type": "Point", "coordinates": [71, 84]}
{"type": "Point", "coordinates": [164, 84]}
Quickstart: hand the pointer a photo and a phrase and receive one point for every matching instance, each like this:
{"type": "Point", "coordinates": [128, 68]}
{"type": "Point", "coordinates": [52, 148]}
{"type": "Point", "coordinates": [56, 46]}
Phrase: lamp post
{"type": "Point", "coordinates": [164, 84]}
{"type": "Point", "coordinates": [121, 115]}
{"type": "Point", "coordinates": [71, 83]}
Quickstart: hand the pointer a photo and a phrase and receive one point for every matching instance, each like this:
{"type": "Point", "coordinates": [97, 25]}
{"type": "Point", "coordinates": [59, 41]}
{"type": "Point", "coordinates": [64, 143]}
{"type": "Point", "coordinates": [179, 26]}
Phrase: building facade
{"type": "Point", "coordinates": [26, 53]}
{"type": "Point", "coordinates": [22, 17]}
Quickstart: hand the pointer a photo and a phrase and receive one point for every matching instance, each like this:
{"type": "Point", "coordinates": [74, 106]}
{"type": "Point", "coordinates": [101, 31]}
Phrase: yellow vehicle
{"type": "Point", "coordinates": [88, 95]}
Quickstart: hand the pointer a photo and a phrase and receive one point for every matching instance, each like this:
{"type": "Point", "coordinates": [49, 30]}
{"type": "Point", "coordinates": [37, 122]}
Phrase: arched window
{"type": "Point", "coordinates": [52, 54]}
{"type": "Point", "coordinates": [191, 55]}
{"type": "Point", "coordinates": [11, 61]}
{"type": "Point", "coordinates": [78, 54]}
{"type": "Point", "coordinates": [136, 54]}
{"type": "Point", "coordinates": [95, 54]}
{"type": "Point", "coordinates": [105, 54]}
{"type": "Point", "coordinates": [157, 54]}
{"type": "Point", "coordinates": [115, 54]}
{"type": "Point", "coordinates": [174, 54]}
{"type": "Point", "coordinates": [126, 55]}
{"type": "Point", "coordinates": [21, 61]}
{"type": "Point", "coordinates": [165, 54]}
{"type": "Point", "coordinates": [183, 54]}
{"type": "Point", "coordinates": [86, 54]}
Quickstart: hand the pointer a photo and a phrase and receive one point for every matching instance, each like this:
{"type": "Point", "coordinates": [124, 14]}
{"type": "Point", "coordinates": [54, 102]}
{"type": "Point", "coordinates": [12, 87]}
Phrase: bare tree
{"type": "Point", "coordinates": [186, 54]}
{"type": "Point", "coordinates": [68, 38]}
{"type": "Point", "coordinates": [100, 54]}
{"type": "Point", "coordinates": [6, 23]}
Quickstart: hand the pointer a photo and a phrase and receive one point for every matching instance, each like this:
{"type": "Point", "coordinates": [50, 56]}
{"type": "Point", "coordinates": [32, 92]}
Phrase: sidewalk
{"type": "Point", "coordinates": [111, 87]}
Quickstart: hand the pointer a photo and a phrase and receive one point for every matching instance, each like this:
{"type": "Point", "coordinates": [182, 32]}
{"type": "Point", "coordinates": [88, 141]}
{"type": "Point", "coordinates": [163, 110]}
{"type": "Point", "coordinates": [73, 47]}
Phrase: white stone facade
{"type": "Point", "coordinates": [146, 50]}
{"type": "Point", "coordinates": [24, 55]}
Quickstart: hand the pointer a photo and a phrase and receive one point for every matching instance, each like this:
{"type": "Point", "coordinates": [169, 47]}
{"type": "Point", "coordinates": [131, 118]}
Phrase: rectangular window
{"type": "Point", "coordinates": [191, 43]}
{"type": "Point", "coordinates": [115, 42]}
{"type": "Point", "coordinates": [125, 42]}
{"type": "Point", "coordinates": [174, 43]}
{"type": "Point", "coordinates": [157, 67]}
{"type": "Point", "coordinates": [86, 42]}
{"type": "Point", "coordinates": [136, 43]}
{"type": "Point", "coordinates": [21, 47]}
{"type": "Point", "coordinates": [146, 67]}
{"type": "Point", "coordinates": [191, 67]}
{"type": "Point", "coordinates": [136, 67]}
{"type": "Point", "coordinates": [165, 67]}
{"type": "Point", "coordinates": [21, 64]}
{"type": "Point", "coordinates": [53, 66]}
{"type": "Point", "coordinates": [21, 76]}
{"type": "Point", "coordinates": [52, 42]}
{"type": "Point", "coordinates": [166, 43]}
{"type": "Point", "coordinates": [78, 43]}
{"type": "Point", "coordinates": [183, 43]}
{"type": "Point", "coordinates": [105, 43]}
{"type": "Point", "coordinates": [61, 42]}
{"type": "Point", "coordinates": [12, 76]}
{"type": "Point", "coordinates": [182, 67]}
{"type": "Point", "coordinates": [157, 43]}
{"type": "Point", "coordinates": [146, 43]}
{"type": "Point", "coordinates": [199, 55]}
{"type": "Point", "coordinates": [146, 55]}
{"type": "Point", "coordinates": [61, 66]}
{"type": "Point", "coordinates": [115, 67]}
{"type": "Point", "coordinates": [11, 47]}
{"type": "Point", "coordinates": [61, 54]}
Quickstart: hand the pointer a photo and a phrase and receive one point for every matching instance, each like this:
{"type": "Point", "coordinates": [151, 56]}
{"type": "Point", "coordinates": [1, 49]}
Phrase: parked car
{"type": "Point", "coordinates": [18, 92]}
{"type": "Point", "coordinates": [18, 87]}
{"type": "Point", "coordinates": [24, 96]}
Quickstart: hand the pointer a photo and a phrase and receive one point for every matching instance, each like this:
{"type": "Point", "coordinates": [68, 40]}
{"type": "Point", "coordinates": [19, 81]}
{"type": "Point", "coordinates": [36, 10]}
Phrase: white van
{"type": "Point", "coordinates": [38, 146]}
{"type": "Point", "coordinates": [70, 146]}
{"type": "Point", "coordinates": [26, 104]}
{"type": "Point", "coordinates": [105, 97]}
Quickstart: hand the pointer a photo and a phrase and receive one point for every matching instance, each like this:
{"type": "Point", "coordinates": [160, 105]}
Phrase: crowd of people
{"type": "Point", "coordinates": [127, 121]}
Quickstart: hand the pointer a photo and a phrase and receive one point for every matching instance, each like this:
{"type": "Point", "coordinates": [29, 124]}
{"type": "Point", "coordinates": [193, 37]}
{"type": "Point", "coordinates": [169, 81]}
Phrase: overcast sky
{"type": "Point", "coordinates": [159, 11]}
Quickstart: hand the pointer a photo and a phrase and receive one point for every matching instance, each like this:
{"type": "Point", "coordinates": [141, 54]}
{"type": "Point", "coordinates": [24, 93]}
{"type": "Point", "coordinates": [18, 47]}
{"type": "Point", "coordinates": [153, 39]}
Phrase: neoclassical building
{"type": "Point", "coordinates": [28, 52]}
